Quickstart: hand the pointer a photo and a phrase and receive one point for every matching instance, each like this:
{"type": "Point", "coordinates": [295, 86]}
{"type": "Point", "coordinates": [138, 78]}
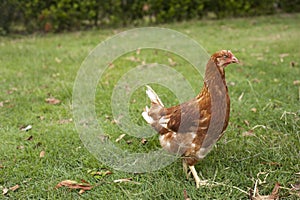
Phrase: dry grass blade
{"type": "Point", "coordinates": [125, 180]}
{"type": "Point", "coordinates": [120, 137]}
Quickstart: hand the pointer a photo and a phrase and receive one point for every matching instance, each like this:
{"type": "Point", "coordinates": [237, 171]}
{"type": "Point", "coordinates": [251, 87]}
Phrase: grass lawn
{"type": "Point", "coordinates": [261, 145]}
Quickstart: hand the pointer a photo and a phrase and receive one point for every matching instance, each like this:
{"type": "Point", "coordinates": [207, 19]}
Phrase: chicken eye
{"type": "Point", "coordinates": [225, 56]}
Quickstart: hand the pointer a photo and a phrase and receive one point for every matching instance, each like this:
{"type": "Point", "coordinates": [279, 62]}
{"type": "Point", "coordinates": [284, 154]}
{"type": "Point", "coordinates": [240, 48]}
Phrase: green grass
{"type": "Point", "coordinates": [36, 67]}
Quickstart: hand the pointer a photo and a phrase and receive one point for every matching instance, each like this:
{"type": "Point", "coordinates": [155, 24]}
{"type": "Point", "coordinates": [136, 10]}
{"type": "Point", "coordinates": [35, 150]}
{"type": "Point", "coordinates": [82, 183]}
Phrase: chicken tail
{"type": "Point", "coordinates": [153, 96]}
{"type": "Point", "coordinates": [155, 103]}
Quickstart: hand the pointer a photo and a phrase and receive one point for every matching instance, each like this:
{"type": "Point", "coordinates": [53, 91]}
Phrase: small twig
{"type": "Point", "coordinates": [235, 187]}
{"type": "Point", "coordinates": [255, 188]}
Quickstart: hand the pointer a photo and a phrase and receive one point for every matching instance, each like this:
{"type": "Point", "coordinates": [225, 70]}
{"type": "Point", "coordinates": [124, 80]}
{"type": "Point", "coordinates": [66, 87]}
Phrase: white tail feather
{"type": "Point", "coordinates": [153, 96]}
{"type": "Point", "coordinates": [147, 117]}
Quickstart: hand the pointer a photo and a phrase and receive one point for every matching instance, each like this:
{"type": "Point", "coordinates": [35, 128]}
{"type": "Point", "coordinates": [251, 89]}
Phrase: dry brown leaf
{"type": "Point", "coordinates": [172, 62]}
{"type": "Point", "coordinates": [246, 122]}
{"type": "Point", "coordinates": [42, 154]}
{"type": "Point", "coordinates": [128, 141]}
{"type": "Point", "coordinates": [254, 110]}
{"type": "Point", "coordinates": [271, 163]}
{"type": "Point", "coordinates": [12, 90]}
{"type": "Point", "coordinates": [296, 186]}
{"type": "Point", "coordinates": [81, 191]}
{"type": "Point", "coordinates": [20, 147]}
{"type": "Point", "coordinates": [5, 191]}
{"type": "Point", "coordinates": [273, 196]}
{"type": "Point", "coordinates": [65, 121]}
{"type": "Point", "coordinates": [120, 137]}
{"type": "Point", "coordinates": [103, 173]}
{"type": "Point", "coordinates": [52, 101]}
{"type": "Point", "coordinates": [29, 138]}
{"type": "Point", "coordinates": [74, 185]}
{"type": "Point", "coordinates": [41, 117]}
{"type": "Point", "coordinates": [138, 51]}
{"type": "Point", "coordinates": [186, 197]}
{"type": "Point", "coordinates": [296, 82]}
{"type": "Point", "coordinates": [133, 59]}
{"type": "Point", "coordinates": [144, 141]}
{"type": "Point", "coordinates": [255, 80]}
{"type": "Point", "coordinates": [14, 188]}
{"type": "Point", "coordinates": [283, 55]}
{"type": "Point", "coordinates": [57, 60]}
{"type": "Point", "coordinates": [1, 166]}
{"type": "Point", "coordinates": [248, 133]}
{"type": "Point", "coordinates": [293, 63]}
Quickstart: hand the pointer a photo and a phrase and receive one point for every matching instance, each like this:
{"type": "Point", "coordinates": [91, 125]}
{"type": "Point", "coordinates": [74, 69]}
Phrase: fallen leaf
{"type": "Point", "coordinates": [283, 55]}
{"type": "Point", "coordinates": [253, 110]}
{"type": "Point", "coordinates": [1, 166]}
{"type": "Point", "coordinates": [65, 121]}
{"type": "Point", "coordinates": [231, 83]}
{"type": "Point", "coordinates": [1, 103]}
{"type": "Point", "coordinates": [144, 141]}
{"type": "Point", "coordinates": [271, 163]}
{"type": "Point", "coordinates": [248, 133]}
{"type": "Point", "coordinates": [29, 138]}
{"type": "Point", "coordinates": [186, 197]}
{"type": "Point", "coordinates": [74, 185]}
{"type": "Point", "coordinates": [296, 82]}
{"type": "Point", "coordinates": [100, 173]}
{"type": "Point", "coordinates": [133, 59]}
{"type": "Point", "coordinates": [172, 62]}
{"type": "Point", "coordinates": [255, 80]}
{"type": "Point", "coordinates": [246, 122]}
{"type": "Point", "coordinates": [5, 191]}
{"type": "Point", "coordinates": [273, 196]}
{"type": "Point", "coordinates": [42, 154]}
{"type": "Point", "coordinates": [296, 187]}
{"type": "Point", "coordinates": [103, 138]}
{"type": "Point", "coordinates": [57, 60]}
{"type": "Point", "coordinates": [120, 137]}
{"type": "Point", "coordinates": [20, 147]}
{"type": "Point", "coordinates": [129, 141]}
{"type": "Point", "coordinates": [12, 90]}
{"type": "Point", "coordinates": [25, 128]}
{"type": "Point", "coordinates": [111, 65]}
{"type": "Point", "coordinates": [81, 191]}
{"type": "Point", "coordinates": [14, 188]}
{"type": "Point", "coordinates": [138, 51]}
{"type": "Point", "coordinates": [52, 100]}
{"type": "Point", "coordinates": [41, 117]}
{"type": "Point", "coordinates": [293, 63]}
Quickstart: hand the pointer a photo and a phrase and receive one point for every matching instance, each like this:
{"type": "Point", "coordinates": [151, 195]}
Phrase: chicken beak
{"type": "Point", "coordinates": [234, 60]}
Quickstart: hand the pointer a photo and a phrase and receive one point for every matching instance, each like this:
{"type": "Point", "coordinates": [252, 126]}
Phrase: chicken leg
{"type": "Point", "coordinates": [196, 177]}
{"type": "Point", "coordinates": [185, 169]}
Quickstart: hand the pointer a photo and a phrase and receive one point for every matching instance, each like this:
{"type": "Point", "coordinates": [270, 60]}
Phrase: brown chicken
{"type": "Point", "coordinates": [192, 128]}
